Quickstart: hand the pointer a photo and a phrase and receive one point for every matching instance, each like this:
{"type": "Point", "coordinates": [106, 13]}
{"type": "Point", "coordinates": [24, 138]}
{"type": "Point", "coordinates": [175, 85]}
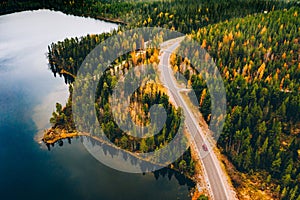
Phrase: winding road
{"type": "Point", "coordinates": [215, 177]}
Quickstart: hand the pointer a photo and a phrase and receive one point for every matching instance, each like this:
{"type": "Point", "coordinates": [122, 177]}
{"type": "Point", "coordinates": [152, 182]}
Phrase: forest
{"type": "Point", "coordinates": [137, 66]}
{"type": "Point", "coordinates": [181, 15]}
{"type": "Point", "coordinates": [258, 57]}
{"type": "Point", "coordinates": [256, 46]}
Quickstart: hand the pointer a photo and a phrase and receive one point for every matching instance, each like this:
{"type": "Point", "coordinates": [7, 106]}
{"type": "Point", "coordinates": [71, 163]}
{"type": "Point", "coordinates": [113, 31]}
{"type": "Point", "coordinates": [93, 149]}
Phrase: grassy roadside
{"type": "Point", "coordinates": [246, 186]}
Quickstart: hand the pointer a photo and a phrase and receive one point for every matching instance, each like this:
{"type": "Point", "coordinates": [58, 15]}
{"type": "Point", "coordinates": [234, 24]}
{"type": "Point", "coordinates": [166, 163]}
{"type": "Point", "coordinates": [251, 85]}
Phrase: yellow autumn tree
{"type": "Point", "coordinates": [261, 71]}
{"type": "Point", "coordinates": [263, 30]}
{"type": "Point", "coordinates": [203, 95]}
{"type": "Point", "coordinates": [203, 43]}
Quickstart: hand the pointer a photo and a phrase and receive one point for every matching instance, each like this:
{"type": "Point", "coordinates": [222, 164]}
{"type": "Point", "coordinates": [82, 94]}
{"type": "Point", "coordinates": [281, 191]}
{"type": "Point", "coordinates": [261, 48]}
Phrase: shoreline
{"type": "Point", "coordinates": [112, 20]}
{"type": "Point", "coordinates": [106, 19]}
{"type": "Point", "coordinates": [58, 134]}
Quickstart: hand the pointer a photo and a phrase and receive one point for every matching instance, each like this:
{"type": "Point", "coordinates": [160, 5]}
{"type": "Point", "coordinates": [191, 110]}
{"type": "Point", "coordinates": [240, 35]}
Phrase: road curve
{"type": "Point", "coordinates": [215, 177]}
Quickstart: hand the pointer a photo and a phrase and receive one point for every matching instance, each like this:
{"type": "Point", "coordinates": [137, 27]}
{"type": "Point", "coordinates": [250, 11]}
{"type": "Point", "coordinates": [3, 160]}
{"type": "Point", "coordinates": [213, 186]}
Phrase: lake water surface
{"type": "Point", "coordinates": [28, 93]}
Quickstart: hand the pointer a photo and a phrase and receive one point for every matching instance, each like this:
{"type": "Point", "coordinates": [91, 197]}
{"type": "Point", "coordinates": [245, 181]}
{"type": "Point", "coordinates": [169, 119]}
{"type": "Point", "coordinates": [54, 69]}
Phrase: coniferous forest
{"type": "Point", "coordinates": [256, 47]}
{"type": "Point", "coordinates": [258, 57]}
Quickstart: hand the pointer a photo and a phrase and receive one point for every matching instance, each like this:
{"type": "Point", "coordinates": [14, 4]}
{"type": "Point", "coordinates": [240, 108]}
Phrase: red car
{"type": "Point", "coordinates": [204, 147]}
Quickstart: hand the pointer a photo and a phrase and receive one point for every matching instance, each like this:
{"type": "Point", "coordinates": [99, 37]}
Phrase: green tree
{"type": "Point", "coordinates": [203, 197]}
{"type": "Point", "coordinates": [182, 166]}
{"type": "Point", "coordinates": [143, 146]}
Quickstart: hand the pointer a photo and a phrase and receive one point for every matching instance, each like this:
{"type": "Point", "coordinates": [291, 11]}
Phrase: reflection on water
{"type": "Point", "coordinates": [24, 38]}
{"type": "Point", "coordinates": [42, 112]}
{"type": "Point", "coordinates": [100, 182]}
{"type": "Point", "coordinates": [28, 93]}
{"type": "Point", "coordinates": [122, 158]}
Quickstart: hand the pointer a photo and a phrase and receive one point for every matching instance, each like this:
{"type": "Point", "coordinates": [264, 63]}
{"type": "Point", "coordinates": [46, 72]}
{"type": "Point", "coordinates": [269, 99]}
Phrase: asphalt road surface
{"type": "Point", "coordinates": [217, 183]}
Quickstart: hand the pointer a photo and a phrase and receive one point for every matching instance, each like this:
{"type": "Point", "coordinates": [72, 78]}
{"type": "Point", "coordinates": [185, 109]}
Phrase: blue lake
{"type": "Point", "coordinates": [28, 93]}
